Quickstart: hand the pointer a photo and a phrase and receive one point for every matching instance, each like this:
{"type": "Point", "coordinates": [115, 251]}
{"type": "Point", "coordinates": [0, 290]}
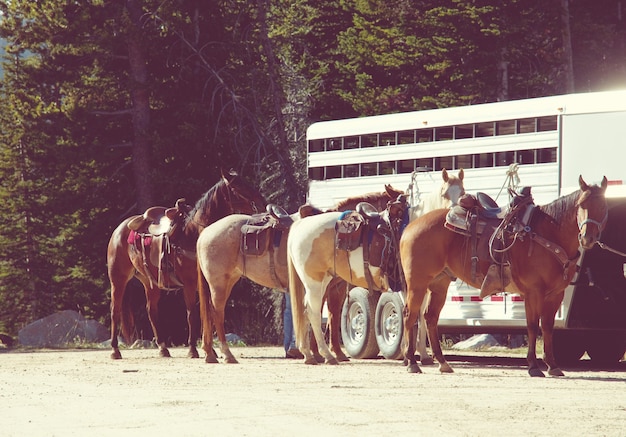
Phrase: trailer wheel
{"type": "Point", "coordinates": [569, 346]}
{"type": "Point", "coordinates": [357, 324]}
{"type": "Point", "coordinates": [389, 325]}
{"type": "Point", "coordinates": [606, 347]}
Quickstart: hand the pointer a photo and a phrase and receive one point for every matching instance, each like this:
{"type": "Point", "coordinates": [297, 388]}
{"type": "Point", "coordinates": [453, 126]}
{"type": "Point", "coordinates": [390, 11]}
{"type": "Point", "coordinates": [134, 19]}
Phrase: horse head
{"type": "Point", "coordinates": [452, 188]}
{"type": "Point", "coordinates": [241, 196]}
{"type": "Point", "coordinates": [592, 212]}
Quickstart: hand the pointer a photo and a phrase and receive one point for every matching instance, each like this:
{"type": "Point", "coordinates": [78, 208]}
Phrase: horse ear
{"type": "Point", "coordinates": [444, 175]}
{"type": "Point", "coordinates": [461, 174]}
{"type": "Point", "coordinates": [604, 183]}
{"type": "Point", "coordinates": [582, 183]}
{"type": "Point", "coordinates": [228, 177]}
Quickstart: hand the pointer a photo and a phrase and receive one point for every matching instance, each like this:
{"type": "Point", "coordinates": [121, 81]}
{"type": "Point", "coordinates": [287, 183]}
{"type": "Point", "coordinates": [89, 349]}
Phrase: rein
{"type": "Point", "coordinates": [610, 249]}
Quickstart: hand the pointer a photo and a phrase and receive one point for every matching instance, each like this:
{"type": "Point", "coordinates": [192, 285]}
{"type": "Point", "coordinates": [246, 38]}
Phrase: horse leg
{"type": "Point", "coordinates": [220, 293]}
{"type": "Point", "coordinates": [193, 319]}
{"type": "Point", "coordinates": [551, 306]}
{"type": "Point", "coordinates": [118, 289]}
{"type": "Point", "coordinates": [415, 296]}
{"type": "Point", "coordinates": [438, 292]}
{"type": "Point", "coordinates": [336, 294]}
{"type": "Point", "coordinates": [314, 297]}
{"type": "Point", "coordinates": [533, 308]}
{"type": "Point", "coordinates": [422, 331]}
{"type": "Point", "coordinates": [153, 295]}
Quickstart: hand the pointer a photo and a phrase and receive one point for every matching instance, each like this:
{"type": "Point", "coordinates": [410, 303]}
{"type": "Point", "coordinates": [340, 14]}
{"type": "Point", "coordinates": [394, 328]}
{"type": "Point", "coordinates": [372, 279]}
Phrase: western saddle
{"type": "Point", "coordinates": [154, 235]}
{"type": "Point", "coordinates": [490, 230]}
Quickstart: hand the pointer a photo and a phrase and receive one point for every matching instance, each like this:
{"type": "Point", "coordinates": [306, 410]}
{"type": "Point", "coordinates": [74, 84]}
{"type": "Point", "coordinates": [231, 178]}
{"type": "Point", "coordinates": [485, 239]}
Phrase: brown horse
{"type": "Point", "coordinates": [221, 264]}
{"type": "Point", "coordinates": [542, 257]}
{"type": "Point", "coordinates": [126, 257]}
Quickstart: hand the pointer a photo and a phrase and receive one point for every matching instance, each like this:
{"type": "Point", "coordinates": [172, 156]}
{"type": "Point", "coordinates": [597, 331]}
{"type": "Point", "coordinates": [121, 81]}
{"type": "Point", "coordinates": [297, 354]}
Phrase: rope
{"type": "Point", "coordinates": [610, 249]}
{"type": "Point", "coordinates": [512, 179]}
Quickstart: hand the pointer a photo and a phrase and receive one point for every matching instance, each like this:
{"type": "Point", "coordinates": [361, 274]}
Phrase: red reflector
{"type": "Point", "coordinates": [517, 299]}
{"type": "Point", "coordinates": [457, 299]}
{"type": "Point", "coordinates": [497, 298]}
{"type": "Point", "coordinates": [475, 299]}
{"type": "Point", "coordinates": [615, 182]}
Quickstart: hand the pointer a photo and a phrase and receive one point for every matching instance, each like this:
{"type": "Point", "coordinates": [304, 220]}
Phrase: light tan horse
{"type": "Point", "coordinates": [221, 264]}
{"type": "Point", "coordinates": [538, 270]}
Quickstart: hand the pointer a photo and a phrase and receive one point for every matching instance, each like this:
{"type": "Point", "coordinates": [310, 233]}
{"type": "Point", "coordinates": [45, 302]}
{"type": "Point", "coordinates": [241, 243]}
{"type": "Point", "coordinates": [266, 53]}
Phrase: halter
{"type": "Point", "coordinates": [600, 224]}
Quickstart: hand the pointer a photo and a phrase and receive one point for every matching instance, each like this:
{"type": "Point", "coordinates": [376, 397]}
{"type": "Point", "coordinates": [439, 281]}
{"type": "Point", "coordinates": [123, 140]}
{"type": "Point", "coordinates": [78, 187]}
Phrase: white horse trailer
{"type": "Point", "coordinates": [546, 142]}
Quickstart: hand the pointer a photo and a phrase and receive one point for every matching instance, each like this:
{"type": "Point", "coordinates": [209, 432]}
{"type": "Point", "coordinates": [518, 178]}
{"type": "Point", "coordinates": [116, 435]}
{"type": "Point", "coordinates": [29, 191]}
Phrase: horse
{"type": "Point", "coordinates": [221, 263]}
{"type": "Point", "coordinates": [448, 195]}
{"type": "Point", "coordinates": [313, 263]}
{"type": "Point", "coordinates": [126, 257]}
{"type": "Point", "coordinates": [541, 255]}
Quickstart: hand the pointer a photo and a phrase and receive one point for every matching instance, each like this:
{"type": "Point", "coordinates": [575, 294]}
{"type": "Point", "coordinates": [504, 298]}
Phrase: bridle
{"type": "Point", "coordinates": [236, 205]}
{"type": "Point", "coordinates": [600, 224]}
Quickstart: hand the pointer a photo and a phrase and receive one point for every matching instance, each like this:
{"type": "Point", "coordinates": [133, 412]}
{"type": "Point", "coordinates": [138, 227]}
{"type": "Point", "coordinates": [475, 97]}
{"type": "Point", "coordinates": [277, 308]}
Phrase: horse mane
{"type": "Point", "coordinates": [559, 209]}
{"type": "Point", "coordinates": [351, 202]}
{"type": "Point", "coordinates": [207, 201]}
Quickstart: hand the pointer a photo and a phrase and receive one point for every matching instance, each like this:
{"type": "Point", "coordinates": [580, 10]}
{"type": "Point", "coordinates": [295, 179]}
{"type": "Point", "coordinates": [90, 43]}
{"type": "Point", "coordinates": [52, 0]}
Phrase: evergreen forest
{"type": "Point", "coordinates": [109, 107]}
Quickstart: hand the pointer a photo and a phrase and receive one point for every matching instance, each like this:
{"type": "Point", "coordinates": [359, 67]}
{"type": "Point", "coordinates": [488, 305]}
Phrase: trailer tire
{"type": "Point", "coordinates": [357, 324]}
{"type": "Point", "coordinates": [569, 346]}
{"type": "Point", "coordinates": [389, 325]}
{"type": "Point", "coordinates": [606, 347]}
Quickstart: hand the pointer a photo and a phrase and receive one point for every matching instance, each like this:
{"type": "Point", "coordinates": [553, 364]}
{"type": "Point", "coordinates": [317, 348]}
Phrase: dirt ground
{"type": "Point", "coordinates": [84, 392]}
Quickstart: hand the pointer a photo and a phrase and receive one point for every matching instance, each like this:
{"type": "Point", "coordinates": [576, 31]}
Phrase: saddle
{"type": "Point", "coordinates": [154, 235]}
{"type": "Point", "coordinates": [262, 228]}
{"type": "Point", "coordinates": [159, 220]}
{"type": "Point", "coordinates": [365, 227]}
{"type": "Point", "coordinates": [487, 227]}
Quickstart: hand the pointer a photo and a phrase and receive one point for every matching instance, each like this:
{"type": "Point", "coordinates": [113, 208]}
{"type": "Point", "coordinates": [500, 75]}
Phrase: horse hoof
{"type": "Point", "coordinates": [333, 361]}
{"type": "Point", "coordinates": [405, 362]}
{"type": "Point", "coordinates": [342, 358]}
{"type": "Point", "coordinates": [414, 368]}
{"type": "Point", "coordinates": [445, 368]}
{"type": "Point", "coordinates": [193, 353]}
{"type": "Point", "coordinates": [311, 361]}
{"type": "Point", "coordinates": [165, 353]}
{"type": "Point", "coordinates": [555, 372]}
{"type": "Point", "coordinates": [116, 355]}
{"type": "Point", "coordinates": [231, 360]}
{"type": "Point", "coordinates": [210, 359]}
{"type": "Point", "coordinates": [428, 361]}
{"type": "Point", "coordinates": [536, 373]}
{"type": "Point", "coordinates": [320, 359]}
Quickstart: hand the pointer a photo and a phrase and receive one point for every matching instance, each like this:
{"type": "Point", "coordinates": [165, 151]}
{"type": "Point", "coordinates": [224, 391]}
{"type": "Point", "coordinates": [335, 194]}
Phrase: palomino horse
{"type": "Point", "coordinates": [221, 263]}
{"type": "Point", "coordinates": [127, 259]}
{"type": "Point", "coordinates": [542, 257]}
{"type": "Point", "coordinates": [313, 263]}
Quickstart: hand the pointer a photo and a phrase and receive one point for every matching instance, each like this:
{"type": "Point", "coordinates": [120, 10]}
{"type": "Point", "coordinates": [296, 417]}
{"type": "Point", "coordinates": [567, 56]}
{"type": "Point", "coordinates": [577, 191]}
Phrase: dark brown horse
{"type": "Point", "coordinates": [542, 258]}
{"type": "Point", "coordinates": [221, 263]}
{"type": "Point", "coordinates": [128, 256]}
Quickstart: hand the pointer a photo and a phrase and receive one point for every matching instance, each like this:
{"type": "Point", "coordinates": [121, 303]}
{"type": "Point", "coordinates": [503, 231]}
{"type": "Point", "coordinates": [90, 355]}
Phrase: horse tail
{"type": "Point", "coordinates": [296, 293]}
{"type": "Point", "coordinates": [127, 320]}
{"type": "Point", "coordinates": [206, 306]}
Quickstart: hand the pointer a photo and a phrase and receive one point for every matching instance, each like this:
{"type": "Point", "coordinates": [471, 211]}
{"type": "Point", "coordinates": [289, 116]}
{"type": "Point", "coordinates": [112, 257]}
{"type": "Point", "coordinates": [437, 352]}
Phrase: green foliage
{"type": "Point", "coordinates": [232, 84]}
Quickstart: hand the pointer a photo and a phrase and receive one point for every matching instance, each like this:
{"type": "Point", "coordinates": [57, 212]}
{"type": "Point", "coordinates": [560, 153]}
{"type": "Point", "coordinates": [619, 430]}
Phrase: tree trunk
{"type": "Point", "coordinates": [140, 99]}
{"type": "Point", "coordinates": [567, 47]}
